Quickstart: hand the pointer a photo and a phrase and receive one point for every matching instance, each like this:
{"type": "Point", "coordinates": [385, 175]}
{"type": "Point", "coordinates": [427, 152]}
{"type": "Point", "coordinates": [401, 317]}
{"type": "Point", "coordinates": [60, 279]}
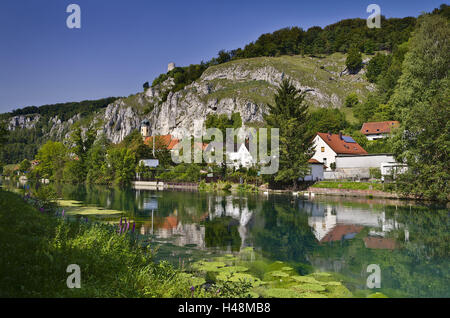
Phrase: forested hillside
{"type": "Point", "coordinates": [30, 127]}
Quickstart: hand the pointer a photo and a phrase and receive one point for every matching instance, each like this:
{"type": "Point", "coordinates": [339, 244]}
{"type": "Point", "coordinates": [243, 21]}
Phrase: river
{"type": "Point", "coordinates": [409, 243]}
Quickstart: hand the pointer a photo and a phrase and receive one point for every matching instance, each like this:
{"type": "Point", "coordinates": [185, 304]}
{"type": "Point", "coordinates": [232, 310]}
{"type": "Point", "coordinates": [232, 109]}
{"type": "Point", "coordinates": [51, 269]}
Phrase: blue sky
{"type": "Point", "coordinates": [122, 44]}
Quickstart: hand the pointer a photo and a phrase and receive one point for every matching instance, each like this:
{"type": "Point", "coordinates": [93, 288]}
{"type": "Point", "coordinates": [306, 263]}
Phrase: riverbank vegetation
{"type": "Point", "coordinates": [350, 185]}
{"type": "Point", "coordinates": [37, 247]}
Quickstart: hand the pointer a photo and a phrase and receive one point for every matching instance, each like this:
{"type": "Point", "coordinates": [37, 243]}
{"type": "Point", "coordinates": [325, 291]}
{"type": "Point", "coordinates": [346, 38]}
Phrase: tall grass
{"type": "Point", "coordinates": [36, 249]}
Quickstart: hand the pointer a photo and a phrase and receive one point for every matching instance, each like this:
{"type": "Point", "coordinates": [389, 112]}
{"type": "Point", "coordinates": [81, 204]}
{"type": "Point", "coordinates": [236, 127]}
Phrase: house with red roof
{"type": "Point", "coordinates": [327, 146]}
{"type": "Point", "coordinates": [162, 142]}
{"type": "Point", "coordinates": [379, 129]}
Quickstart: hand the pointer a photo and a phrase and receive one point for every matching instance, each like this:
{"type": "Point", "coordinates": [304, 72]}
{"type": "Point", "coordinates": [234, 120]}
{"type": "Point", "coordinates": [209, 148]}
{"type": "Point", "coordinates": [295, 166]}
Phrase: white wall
{"type": "Point", "coordinates": [242, 157]}
{"type": "Point", "coordinates": [374, 161]}
{"type": "Point", "coordinates": [376, 136]}
{"type": "Point", "coordinates": [316, 173]}
{"type": "Point", "coordinates": [328, 153]}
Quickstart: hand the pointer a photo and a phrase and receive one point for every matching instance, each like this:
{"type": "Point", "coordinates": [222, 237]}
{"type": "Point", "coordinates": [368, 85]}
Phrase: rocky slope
{"type": "Point", "coordinates": [244, 86]}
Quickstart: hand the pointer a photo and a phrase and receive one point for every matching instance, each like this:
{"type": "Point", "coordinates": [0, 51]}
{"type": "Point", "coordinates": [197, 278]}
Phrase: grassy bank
{"type": "Point", "coordinates": [349, 185]}
{"type": "Point", "coordinates": [36, 249]}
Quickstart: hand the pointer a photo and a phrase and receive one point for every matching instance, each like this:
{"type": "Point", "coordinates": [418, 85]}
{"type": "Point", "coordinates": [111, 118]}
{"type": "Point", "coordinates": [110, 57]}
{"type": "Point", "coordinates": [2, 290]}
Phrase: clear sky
{"type": "Point", "coordinates": [124, 43]}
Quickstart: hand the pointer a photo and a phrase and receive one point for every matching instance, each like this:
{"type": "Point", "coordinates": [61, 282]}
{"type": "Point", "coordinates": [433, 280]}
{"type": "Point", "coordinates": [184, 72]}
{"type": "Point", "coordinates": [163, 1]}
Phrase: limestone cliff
{"type": "Point", "coordinates": [244, 86]}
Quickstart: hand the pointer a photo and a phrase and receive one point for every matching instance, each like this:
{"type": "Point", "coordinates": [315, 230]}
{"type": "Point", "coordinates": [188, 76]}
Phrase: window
{"type": "Point", "coordinates": [322, 149]}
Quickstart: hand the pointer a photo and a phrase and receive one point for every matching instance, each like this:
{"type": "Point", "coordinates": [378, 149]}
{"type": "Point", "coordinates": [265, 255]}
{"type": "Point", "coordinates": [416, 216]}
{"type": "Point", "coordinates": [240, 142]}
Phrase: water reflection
{"type": "Point", "coordinates": [410, 243]}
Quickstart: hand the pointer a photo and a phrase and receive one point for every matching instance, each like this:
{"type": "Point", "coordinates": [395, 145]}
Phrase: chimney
{"type": "Point", "coordinates": [340, 135]}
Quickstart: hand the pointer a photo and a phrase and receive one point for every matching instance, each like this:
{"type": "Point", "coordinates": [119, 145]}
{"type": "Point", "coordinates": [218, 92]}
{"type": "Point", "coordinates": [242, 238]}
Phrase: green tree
{"type": "Point", "coordinates": [3, 134]}
{"type": "Point", "coordinates": [391, 72]}
{"type": "Point", "coordinates": [290, 115]}
{"type": "Point", "coordinates": [96, 161]}
{"type": "Point", "coordinates": [81, 147]}
{"type": "Point", "coordinates": [25, 166]}
{"type": "Point", "coordinates": [73, 171]}
{"type": "Point", "coordinates": [327, 120]}
{"type": "Point", "coordinates": [422, 98]}
{"type": "Point", "coordinates": [376, 66]}
{"type": "Point", "coordinates": [351, 100]}
{"type": "Point", "coordinates": [121, 164]}
{"type": "Point", "coordinates": [354, 60]}
{"type": "Point", "coordinates": [52, 157]}
{"type": "Point", "coordinates": [365, 111]}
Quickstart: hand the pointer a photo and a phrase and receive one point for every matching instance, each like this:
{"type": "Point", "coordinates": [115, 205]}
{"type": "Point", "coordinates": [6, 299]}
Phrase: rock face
{"type": "Point", "coordinates": [119, 121]}
{"type": "Point", "coordinates": [23, 122]}
{"type": "Point", "coordinates": [181, 111]}
{"type": "Point", "coordinates": [245, 87]}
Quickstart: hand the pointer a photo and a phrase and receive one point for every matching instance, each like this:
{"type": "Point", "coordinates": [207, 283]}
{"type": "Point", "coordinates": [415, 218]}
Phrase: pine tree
{"type": "Point", "coordinates": [290, 115]}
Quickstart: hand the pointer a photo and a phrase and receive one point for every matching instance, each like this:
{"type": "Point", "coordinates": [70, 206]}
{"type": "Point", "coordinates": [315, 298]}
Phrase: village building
{"type": "Point", "coordinates": [378, 130]}
{"type": "Point", "coordinates": [240, 157]}
{"type": "Point", "coordinates": [328, 146]}
{"type": "Point", "coordinates": [316, 171]}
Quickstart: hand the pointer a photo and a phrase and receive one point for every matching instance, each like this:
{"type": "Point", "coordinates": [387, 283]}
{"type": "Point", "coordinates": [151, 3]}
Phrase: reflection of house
{"type": "Point", "coordinates": [378, 130]}
{"type": "Point", "coordinates": [342, 232]}
{"type": "Point", "coordinates": [328, 146]}
{"type": "Point", "coordinates": [172, 229]}
{"type": "Point", "coordinates": [322, 224]}
{"type": "Point", "coordinates": [335, 223]}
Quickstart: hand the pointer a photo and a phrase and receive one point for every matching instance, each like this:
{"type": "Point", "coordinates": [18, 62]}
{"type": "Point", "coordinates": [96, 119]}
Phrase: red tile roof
{"type": "Point", "coordinates": [339, 231]}
{"type": "Point", "coordinates": [381, 127]}
{"type": "Point", "coordinates": [341, 146]}
{"type": "Point", "coordinates": [165, 141]}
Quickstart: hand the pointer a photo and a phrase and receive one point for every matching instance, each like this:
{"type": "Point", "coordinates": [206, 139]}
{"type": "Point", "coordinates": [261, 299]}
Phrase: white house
{"type": "Point", "coordinates": [240, 157]}
{"type": "Point", "coordinates": [327, 146]}
{"type": "Point", "coordinates": [378, 130]}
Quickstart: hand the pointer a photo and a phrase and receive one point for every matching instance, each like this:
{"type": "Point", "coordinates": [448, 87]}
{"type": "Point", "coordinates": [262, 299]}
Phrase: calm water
{"type": "Point", "coordinates": [410, 243]}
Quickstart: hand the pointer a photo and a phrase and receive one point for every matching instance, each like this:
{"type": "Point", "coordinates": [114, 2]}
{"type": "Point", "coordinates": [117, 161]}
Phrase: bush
{"type": "Point", "coordinates": [375, 173]}
{"type": "Point", "coordinates": [354, 60]}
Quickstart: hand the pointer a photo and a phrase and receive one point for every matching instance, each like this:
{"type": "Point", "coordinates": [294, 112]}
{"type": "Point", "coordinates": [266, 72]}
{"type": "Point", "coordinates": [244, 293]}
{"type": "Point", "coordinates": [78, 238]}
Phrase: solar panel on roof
{"type": "Point", "coordinates": [348, 139]}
